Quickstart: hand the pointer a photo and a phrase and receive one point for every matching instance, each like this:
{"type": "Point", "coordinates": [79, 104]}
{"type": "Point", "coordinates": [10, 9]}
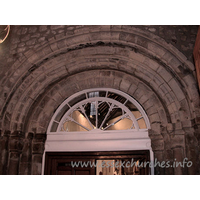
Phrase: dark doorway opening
{"type": "Point", "coordinates": [98, 163]}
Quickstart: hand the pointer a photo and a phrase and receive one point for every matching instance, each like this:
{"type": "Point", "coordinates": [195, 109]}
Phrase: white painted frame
{"type": "Point", "coordinates": [97, 140]}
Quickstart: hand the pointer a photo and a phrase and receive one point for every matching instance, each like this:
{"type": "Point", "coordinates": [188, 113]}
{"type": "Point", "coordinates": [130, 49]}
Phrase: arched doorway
{"type": "Point", "coordinates": [99, 120]}
{"type": "Point", "coordinates": [127, 58]}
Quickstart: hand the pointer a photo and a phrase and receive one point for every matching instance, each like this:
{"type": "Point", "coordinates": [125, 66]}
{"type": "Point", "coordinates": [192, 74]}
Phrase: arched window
{"type": "Point", "coordinates": [100, 119]}
{"type": "Point", "coordinates": [99, 110]}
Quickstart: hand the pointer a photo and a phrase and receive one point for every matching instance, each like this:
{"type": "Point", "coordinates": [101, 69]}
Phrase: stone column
{"type": "Point", "coordinates": [178, 153]}
{"type": "Point", "coordinates": [26, 156]}
{"type": "Point", "coordinates": [196, 54]}
{"type": "Point", "coordinates": [157, 145]}
{"type": "Point", "coordinates": [15, 150]}
{"type": "Point", "coordinates": [4, 152]}
{"type": "Point", "coordinates": [168, 152]}
{"type": "Point", "coordinates": [197, 135]}
{"type": "Point", "coordinates": [178, 147]}
{"type": "Point", "coordinates": [37, 153]}
{"type": "Point", "coordinates": [192, 150]}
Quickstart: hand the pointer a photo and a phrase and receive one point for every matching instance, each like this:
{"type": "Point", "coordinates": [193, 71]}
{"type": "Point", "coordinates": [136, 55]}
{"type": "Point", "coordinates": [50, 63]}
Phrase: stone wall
{"type": "Point", "coordinates": [44, 65]}
{"type": "Point", "coordinates": [24, 38]}
{"type": "Point", "coordinates": [181, 37]}
{"type": "Point", "coordinates": [20, 154]}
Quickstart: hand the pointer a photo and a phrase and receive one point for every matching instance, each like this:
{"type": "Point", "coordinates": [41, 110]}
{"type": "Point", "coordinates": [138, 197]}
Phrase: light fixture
{"type": "Point", "coordinates": [5, 33]}
{"type": "Point", "coordinates": [93, 104]}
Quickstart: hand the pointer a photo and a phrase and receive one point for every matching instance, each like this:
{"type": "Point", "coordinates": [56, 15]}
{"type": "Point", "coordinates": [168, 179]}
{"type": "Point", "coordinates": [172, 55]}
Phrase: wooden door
{"type": "Point", "coordinates": [64, 167]}
{"type": "Point", "coordinates": [61, 163]}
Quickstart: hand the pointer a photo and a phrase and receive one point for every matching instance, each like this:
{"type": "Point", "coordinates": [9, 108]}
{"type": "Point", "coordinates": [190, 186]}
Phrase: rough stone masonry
{"type": "Point", "coordinates": [43, 65]}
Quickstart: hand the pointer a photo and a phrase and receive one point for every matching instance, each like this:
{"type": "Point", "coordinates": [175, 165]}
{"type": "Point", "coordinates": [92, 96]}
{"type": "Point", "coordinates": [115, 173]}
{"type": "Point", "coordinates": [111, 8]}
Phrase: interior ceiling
{"type": "Point", "coordinates": [104, 107]}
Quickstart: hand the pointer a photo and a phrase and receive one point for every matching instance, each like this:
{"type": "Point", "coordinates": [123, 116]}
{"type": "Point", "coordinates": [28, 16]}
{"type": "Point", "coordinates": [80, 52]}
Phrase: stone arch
{"type": "Point", "coordinates": [47, 74]}
{"type": "Point", "coordinates": [154, 72]}
{"type": "Point", "coordinates": [103, 78]}
{"type": "Point", "coordinates": [45, 107]}
{"type": "Point", "coordinates": [135, 40]}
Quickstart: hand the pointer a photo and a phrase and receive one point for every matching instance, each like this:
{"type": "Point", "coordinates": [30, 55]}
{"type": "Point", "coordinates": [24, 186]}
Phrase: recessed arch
{"type": "Point", "coordinates": [126, 41]}
{"type": "Point", "coordinates": [42, 112]}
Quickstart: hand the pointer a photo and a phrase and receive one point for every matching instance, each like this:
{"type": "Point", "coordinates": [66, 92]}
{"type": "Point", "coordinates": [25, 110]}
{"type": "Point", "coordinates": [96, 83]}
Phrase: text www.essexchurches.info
{"type": "Point", "coordinates": [132, 163]}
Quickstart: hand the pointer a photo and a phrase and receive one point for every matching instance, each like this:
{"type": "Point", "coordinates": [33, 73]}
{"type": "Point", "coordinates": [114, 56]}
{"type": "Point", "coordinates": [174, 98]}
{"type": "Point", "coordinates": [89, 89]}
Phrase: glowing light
{"type": "Point", "coordinates": [7, 30]}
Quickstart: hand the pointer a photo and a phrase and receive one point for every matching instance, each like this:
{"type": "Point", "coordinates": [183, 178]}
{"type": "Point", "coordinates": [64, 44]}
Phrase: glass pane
{"type": "Point", "coordinates": [121, 125]}
{"type": "Point", "coordinates": [93, 94]}
{"type": "Point", "coordinates": [61, 113]}
{"type": "Point", "coordinates": [113, 116]}
{"type": "Point", "coordinates": [102, 93]}
{"type": "Point", "coordinates": [105, 167]}
{"type": "Point", "coordinates": [96, 94]}
{"type": "Point", "coordinates": [137, 114]}
{"type": "Point", "coordinates": [129, 169]}
{"type": "Point", "coordinates": [103, 109]}
{"type": "Point", "coordinates": [81, 119]}
{"type": "Point", "coordinates": [142, 123]}
{"type": "Point", "coordinates": [116, 97]}
{"type": "Point", "coordinates": [54, 127]}
{"type": "Point", "coordinates": [116, 112]}
{"type": "Point", "coordinates": [90, 112]}
{"type": "Point", "coordinates": [70, 126]}
{"type": "Point", "coordinates": [131, 106]}
{"type": "Point", "coordinates": [77, 99]}
{"type": "Point", "coordinates": [120, 167]}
